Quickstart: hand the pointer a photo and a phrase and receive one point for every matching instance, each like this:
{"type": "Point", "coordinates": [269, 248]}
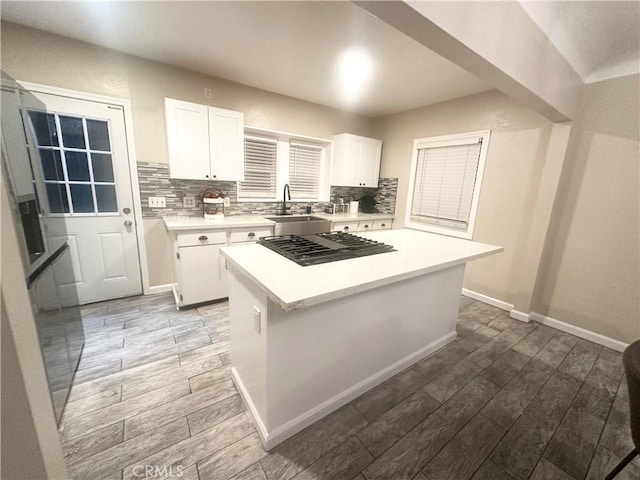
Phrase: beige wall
{"type": "Point", "coordinates": [591, 273]}
{"type": "Point", "coordinates": [40, 57]}
{"type": "Point", "coordinates": [517, 149]}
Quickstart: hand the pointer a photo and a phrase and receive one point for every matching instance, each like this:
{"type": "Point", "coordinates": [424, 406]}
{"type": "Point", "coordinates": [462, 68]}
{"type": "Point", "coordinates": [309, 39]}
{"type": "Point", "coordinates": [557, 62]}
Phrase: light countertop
{"type": "Point", "coordinates": [347, 217]}
{"type": "Point", "coordinates": [293, 286]}
{"type": "Point", "coordinates": [230, 221]}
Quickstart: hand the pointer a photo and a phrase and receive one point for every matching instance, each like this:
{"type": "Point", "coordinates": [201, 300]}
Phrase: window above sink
{"type": "Point", "coordinates": [273, 159]}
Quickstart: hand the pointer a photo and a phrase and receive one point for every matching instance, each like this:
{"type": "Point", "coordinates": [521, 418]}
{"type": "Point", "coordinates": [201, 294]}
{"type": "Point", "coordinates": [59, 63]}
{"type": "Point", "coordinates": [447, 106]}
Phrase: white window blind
{"type": "Point", "coordinates": [445, 179]}
{"type": "Point", "coordinates": [304, 170]}
{"type": "Point", "coordinates": [260, 162]}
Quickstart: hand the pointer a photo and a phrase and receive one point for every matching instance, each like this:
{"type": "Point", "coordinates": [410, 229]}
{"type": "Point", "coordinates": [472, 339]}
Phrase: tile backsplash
{"type": "Point", "coordinates": [155, 182]}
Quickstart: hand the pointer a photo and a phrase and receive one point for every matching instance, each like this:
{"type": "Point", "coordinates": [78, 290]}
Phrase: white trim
{"type": "Point", "coordinates": [486, 299]}
{"type": "Point", "coordinates": [156, 289]}
{"type": "Point", "coordinates": [442, 140]}
{"type": "Point", "coordinates": [283, 432]}
{"type": "Point", "coordinates": [579, 332]}
{"type": "Point", "coordinates": [518, 315]}
{"type": "Point", "coordinates": [125, 103]}
{"type": "Point", "coordinates": [255, 416]}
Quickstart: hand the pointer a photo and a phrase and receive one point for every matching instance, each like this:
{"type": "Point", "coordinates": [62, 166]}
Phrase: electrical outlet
{"type": "Point", "coordinates": [256, 319]}
{"type": "Point", "coordinates": [188, 202]}
{"type": "Point", "coordinates": [227, 202]}
{"type": "Point", "coordinates": [157, 202]}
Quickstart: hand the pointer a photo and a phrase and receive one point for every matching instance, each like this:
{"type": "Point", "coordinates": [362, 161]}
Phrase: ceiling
{"type": "Point", "coordinates": [296, 48]}
{"type": "Point", "coordinates": [599, 39]}
{"type": "Point", "coordinates": [291, 48]}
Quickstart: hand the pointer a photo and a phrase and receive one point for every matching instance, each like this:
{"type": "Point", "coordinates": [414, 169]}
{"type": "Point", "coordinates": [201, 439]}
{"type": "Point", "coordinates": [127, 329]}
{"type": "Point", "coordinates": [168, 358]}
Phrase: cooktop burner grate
{"type": "Point", "coordinates": [320, 248]}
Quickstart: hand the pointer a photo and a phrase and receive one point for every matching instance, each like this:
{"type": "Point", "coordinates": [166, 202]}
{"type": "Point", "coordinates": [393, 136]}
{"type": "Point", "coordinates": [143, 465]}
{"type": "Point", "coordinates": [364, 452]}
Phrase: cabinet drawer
{"type": "Point", "coordinates": [365, 226]}
{"type": "Point", "coordinates": [349, 227]}
{"type": "Point", "coordinates": [210, 237]}
{"type": "Point", "coordinates": [242, 235]}
{"type": "Point", "coordinates": [382, 224]}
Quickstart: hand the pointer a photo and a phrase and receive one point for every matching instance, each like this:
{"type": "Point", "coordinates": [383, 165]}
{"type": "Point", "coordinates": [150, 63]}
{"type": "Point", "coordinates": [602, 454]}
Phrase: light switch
{"type": "Point", "coordinates": [256, 319]}
{"type": "Point", "coordinates": [227, 202]}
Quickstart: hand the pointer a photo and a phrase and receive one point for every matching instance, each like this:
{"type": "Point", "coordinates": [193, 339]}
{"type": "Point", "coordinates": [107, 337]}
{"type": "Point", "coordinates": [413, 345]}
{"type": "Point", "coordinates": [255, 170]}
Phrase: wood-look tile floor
{"type": "Point", "coordinates": [507, 400]}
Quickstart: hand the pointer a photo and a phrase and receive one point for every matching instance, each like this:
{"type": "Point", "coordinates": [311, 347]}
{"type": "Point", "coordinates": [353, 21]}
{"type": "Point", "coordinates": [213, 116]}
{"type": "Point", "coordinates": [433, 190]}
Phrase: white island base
{"type": "Point", "coordinates": [294, 367]}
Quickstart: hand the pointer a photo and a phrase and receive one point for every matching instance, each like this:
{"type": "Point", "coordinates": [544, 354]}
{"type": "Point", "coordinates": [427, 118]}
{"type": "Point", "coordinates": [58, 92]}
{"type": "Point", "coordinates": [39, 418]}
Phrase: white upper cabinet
{"type": "Point", "coordinates": [355, 161]}
{"type": "Point", "coordinates": [205, 143]}
{"type": "Point", "coordinates": [226, 144]}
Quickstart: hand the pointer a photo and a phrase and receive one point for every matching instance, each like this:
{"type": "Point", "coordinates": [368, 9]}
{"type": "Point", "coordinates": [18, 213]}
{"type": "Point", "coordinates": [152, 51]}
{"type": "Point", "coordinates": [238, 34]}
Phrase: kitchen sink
{"type": "Point", "coordinates": [299, 224]}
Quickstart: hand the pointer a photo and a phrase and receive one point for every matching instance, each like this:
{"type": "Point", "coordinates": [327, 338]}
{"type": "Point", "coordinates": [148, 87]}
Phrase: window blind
{"type": "Point", "coordinates": [444, 185]}
{"type": "Point", "coordinates": [260, 161]}
{"type": "Point", "coordinates": [304, 170]}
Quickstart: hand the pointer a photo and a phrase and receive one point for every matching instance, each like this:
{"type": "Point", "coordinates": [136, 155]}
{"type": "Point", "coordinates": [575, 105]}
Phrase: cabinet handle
{"type": "Point", "coordinates": [383, 225]}
{"type": "Point", "coordinates": [346, 227]}
{"type": "Point", "coordinates": [251, 234]}
{"type": "Point", "coordinates": [206, 176]}
{"type": "Point", "coordinates": [366, 226]}
{"type": "Point", "coordinates": [202, 238]}
{"type": "Point", "coordinates": [215, 176]}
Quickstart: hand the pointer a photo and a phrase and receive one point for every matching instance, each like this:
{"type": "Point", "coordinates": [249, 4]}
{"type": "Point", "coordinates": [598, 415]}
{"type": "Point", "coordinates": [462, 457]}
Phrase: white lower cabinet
{"type": "Point", "coordinates": [200, 269]}
{"type": "Point", "coordinates": [382, 224]}
{"type": "Point", "coordinates": [362, 225]}
{"type": "Point", "coordinates": [203, 276]}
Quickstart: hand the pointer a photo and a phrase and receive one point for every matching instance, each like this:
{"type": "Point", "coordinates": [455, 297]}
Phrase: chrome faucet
{"type": "Point", "coordinates": [284, 199]}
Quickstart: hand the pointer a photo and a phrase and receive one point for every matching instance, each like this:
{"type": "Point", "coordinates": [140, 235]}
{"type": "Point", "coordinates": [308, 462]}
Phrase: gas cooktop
{"type": "Point", "coordinates": [320, 248]}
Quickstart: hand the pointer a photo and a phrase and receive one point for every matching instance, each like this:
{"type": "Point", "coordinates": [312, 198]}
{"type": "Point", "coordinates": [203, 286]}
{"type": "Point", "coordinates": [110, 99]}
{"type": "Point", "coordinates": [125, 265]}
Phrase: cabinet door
{"type": "Point", "coordinates": [347, 227]}
{"type": "Point", "coordinates": [187, 139]}
{"type": "Point", "coordinates": [369, 164]}
{"type": "Point", "coordinates": [344, 162]}
{"type": "Point", "coordinates": [226, 144]}
{"type": "Point", "coordinates": [365, 226]}
{"type": "Point", "coordinates": [203, 276]}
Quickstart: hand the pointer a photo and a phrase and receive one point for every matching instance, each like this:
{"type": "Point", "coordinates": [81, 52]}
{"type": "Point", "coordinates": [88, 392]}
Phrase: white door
{"type": "Point", "coordinates": [85, 182]}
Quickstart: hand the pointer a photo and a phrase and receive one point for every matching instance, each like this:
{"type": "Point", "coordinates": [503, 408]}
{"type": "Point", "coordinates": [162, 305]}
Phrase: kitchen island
{"type": "Point", "coordinates": [307, 340]}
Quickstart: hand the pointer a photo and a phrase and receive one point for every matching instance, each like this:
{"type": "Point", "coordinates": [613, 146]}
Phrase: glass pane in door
{"type": "Point", "coordinates": [77, 166]}
{"type": "Point", "coordinates": [72, 132]}
{"type": "Point", "coordinates": [44, 128]}
{"type": "Point", "coordinates": [82, 198]}
{"type": "Point", "coordinates": [51, 164]}
{"type": "Point", "coordinates": [57, 196]}
{"type": "Point", "coordinates": [106, 198]}
{"type": "Point", "coordinates": [102, 167]}
{"type": "Point", "coordinates": [98, 132]}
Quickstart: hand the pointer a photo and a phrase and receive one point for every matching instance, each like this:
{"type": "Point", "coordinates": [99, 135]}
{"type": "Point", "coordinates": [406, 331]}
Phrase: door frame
{"type": "Point", "coordinates": [125, 103]}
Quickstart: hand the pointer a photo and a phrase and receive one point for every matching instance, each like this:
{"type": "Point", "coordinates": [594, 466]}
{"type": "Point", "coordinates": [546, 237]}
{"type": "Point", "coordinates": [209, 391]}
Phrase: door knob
{"type": "Point", "coordinates": [128, 223]}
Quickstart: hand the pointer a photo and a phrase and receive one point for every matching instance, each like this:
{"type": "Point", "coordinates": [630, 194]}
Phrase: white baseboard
{"type": "Point", "coordinates": [255, 416]}
{"type": "Point", "coordinates": [155, 289]}
{"type": "Point", "coordinates": [518, 315]}
{"type": "Point", "coordinates": [283, 432]}
{"type": "Point", "coordinates": [486, 299]}
{"type": "Point", "coordinates": [579, 332]}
